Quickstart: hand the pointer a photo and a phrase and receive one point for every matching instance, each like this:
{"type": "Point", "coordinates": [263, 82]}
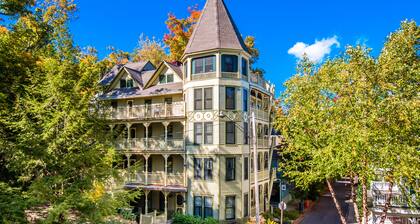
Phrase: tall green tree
{"type": "Point", "coordinates": [54, 148]}
{"type": "Point", "coordinates": [354, 116]}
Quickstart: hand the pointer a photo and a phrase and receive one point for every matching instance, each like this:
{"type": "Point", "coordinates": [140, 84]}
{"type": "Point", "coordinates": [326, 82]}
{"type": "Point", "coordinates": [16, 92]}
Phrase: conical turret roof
{"type": "Point", "coordinates": [215, 30]}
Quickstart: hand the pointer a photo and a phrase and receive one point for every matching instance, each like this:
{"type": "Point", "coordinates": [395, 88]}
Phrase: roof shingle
{"type": "Point", "coordinates": [215, 30]}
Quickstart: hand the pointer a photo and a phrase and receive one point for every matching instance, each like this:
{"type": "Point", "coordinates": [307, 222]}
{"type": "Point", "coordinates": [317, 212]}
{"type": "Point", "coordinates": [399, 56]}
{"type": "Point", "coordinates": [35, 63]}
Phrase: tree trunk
{"type": "Point", "coordinates": [337, 204]}
{"type": "Point", "coordinates": [387, 204]}
{"type": "Point", "coordinates": [364, 200]}
{"type": "Point", "coordinates": [354, 199]}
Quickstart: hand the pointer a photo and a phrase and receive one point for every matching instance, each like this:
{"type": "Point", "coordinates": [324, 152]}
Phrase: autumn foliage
{"type": "Point", "coordinates": [180, 31]}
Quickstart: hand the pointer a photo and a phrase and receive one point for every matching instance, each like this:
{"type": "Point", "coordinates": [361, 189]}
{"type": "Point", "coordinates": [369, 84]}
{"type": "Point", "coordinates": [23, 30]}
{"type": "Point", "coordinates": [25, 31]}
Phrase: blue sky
{"type": "Point", "coordinates": [284, 28]}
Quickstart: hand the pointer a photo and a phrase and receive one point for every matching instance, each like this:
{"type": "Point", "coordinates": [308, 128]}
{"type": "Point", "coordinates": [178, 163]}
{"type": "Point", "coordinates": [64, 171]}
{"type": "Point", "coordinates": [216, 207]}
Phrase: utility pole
{"type": "Point", "coordinates": [256, 190]}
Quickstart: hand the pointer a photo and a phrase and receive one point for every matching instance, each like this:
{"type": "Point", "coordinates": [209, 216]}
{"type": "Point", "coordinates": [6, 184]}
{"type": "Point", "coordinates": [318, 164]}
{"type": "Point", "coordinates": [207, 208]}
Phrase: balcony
{"type": "Point", "coordinates": [261, 114]}
{"type": "Point", "coordinates": [263, 142]}
{"type": "Point", "coordinates": [261, 82]}
{"type": "Point", "coordinates": [150, 144]}
{"type": "Point", "coordinates": [157, 178]}
{"type": "Point", "coordinates": [151, 111]}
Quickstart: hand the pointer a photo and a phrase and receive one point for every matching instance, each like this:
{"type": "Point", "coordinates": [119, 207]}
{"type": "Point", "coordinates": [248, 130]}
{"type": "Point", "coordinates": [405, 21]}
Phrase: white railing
{"type": "Point", "coordinates": [150, 144]}
{"type": "Point", "coordinates": [260, 81]}
{"type": "Point", "coordinates": [158, 178]}
{"type": "Point", "coordinates": [261, 114]}
{"type": "Point", "coordinates": [158, 110]}
{"type": "Point", "coordinates": [263, 142]}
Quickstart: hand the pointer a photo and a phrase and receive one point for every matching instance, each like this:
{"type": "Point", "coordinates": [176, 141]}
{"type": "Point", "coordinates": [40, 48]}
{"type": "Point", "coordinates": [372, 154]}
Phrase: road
{"type": "Point", "coordinates": [324, 211]}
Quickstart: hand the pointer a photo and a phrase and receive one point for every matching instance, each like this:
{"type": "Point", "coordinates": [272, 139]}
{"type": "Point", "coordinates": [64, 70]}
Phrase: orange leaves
{"type": "Point", "coordinates": [180, 31]}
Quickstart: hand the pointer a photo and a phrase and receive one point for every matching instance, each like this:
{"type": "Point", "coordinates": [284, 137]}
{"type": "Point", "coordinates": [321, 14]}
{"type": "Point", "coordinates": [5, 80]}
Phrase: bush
{"type": "Point", "coordinates": [189, 219]}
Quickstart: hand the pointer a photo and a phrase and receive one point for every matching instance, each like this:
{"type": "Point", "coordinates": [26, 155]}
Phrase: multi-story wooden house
{"type": "Point", "coordinates": [187, 125]}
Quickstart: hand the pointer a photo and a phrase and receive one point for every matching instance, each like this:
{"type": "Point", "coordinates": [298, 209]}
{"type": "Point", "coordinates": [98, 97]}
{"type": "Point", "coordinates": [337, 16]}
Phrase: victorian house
{"type": "Point", "coordinates": [186, 128]}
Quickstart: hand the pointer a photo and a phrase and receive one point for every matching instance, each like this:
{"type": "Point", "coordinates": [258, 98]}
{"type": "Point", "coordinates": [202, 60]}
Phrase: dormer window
{"type": "Point", "coordinates": [126, 83]}
{"type": "Point", "coordinates": [229, 63]}
{"type": "Point", "coordinates": [166, 78]}
{"type": "Point", "coordinates": [204, 65]}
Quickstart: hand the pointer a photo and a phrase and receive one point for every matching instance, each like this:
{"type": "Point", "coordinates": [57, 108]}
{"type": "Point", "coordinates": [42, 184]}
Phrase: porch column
{"type": "Point", "coordinates": [165, 156]}
{"type": "Point", "coordinates": [184, 169]}
{"type": "Point", "coordinates": [184, 203]}
{"type": "Point", "coordinates": [146, 125]}
{"type": "Point", "coordinates": [166, 205]}
{"type": "Point", "coordinates": [166, 124]}
{"type": "Point", "coordinates": [146, 157]}
{"type": "Point", "coordinates": [128, 125]}
{"type": "Point", "coordinates": [146, 194]}
{"type": "Point", "coordinates": [128, 167]}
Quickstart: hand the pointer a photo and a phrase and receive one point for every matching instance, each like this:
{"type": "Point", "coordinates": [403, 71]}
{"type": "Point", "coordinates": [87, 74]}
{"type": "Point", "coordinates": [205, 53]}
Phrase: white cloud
{"type": "Point", "coordinates": [315, 52]}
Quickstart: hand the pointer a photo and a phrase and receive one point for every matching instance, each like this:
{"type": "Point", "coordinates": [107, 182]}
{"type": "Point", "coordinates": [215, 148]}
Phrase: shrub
{"type": "Point", "coordinates": [189, 219]}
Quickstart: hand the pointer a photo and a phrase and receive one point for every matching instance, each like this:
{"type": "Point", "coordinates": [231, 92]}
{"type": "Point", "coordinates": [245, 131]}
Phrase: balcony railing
{"type": "Point", "coordinates": [263, 142]}
{"type": "Point", "coordinates": [260, 81]}
{"type": "Point", "coordinates": [150, 144]}
{"type": "Point", "coordinates": [158, 110]}
{"type": "Point", "coordinates": [158, 178]}
{"type": "Point", "coordinates": [261, 114]}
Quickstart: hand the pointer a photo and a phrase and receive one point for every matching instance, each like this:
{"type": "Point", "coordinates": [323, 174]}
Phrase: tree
{"type": "Point", "coordinates": [255, 55]}
{"type": "Point", "coordinates": [116, 57]}
{"type": "Point", "coordinates": [150, 50]}
{"type": "Point", "coordinates": [180, 31]}
{"type": "Point", "coordinates": [356, 115]}
{"type": "Point", "coordinates": [54, 148]}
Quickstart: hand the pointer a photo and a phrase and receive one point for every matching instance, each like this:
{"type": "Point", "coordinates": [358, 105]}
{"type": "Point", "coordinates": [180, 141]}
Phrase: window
{"type": "Point", "coordinates": [198, 99]}
{"type": "Point", "coordinates": [204, 65]}
{"type": "Point", "coordinates": [246, 206]}
{"type": "Point", "coordinates": [208, 169]}
{"type": "Point", "coordinates": [246, 133]}
{"type": "Point", "coordinates": [208, 133]}
{"type": "Point", "coordinates": [208, 207]}
{"type": "Point", "coordinates": [170, 164]}
{"type": "Point", "coordinates": [252, 163]}
{"type": "Point", "coordinates": [244, 67]}
{"type": "Point", "coordinates": [208, 98]}
{"type": "Point", "coordinates": [130, 83]}
{"type": "Point", "coordinates": [229, 63]}
{"type": "Point", "coordinates": [230, 169]}
{"type": "Point", "coordinates": [230, 98]}
{"type": "Point", "coordinates": [207, 102]}
{"type": "Point", "coordinates": [199, 206]}
{"type": "Point", "coordinates": [197, 168]}
{"type": "Point", "coordinates": [265, 160]}
{"type": "Point", "coordinates": [259, 161]}
{"type": "Point", "coordinates": [123, 83]}
{"type": "Point", "coordinates": [166, 78]}
{"type": "Point", "coordinates": [245, 100]}
{"type": "Point", "coordinates": [169, 78]}
{"type": "Point", "coordinates": [246, 168]}
{"type": "Point", "coordinates": [230, 207]}
{"type": "Point", "coordinates": [206, 136]}
{"type": "Point", "coordinates": [230, 132]}
{"type": "Point", "coordinates": [198, 133]}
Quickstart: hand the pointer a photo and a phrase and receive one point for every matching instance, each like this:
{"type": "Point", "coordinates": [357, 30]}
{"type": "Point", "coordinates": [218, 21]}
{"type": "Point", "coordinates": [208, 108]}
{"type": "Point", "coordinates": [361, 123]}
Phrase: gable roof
{"type": "Point", "coordinates": [110, 76]}
{"type": "Point", "coordinates": [134, 69]}
{"type": "Point", "coordinates": [176, 68]}
{"type": "Point", "coordinates": [215, 30]}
